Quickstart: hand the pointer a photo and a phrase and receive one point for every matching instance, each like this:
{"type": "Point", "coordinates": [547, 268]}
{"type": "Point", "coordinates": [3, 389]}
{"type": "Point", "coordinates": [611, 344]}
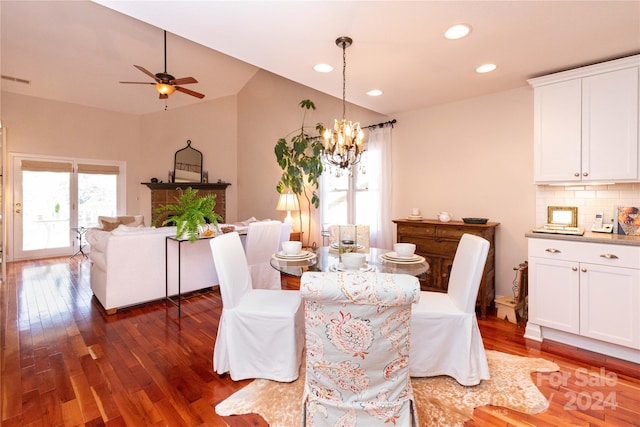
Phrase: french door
{"type": "Point", "coordinates": [53, 197]}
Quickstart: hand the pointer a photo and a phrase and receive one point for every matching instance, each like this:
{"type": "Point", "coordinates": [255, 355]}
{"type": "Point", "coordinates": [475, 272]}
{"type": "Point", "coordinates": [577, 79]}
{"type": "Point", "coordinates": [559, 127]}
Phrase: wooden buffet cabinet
{"type": "Point", "coordinates": [437, 242]}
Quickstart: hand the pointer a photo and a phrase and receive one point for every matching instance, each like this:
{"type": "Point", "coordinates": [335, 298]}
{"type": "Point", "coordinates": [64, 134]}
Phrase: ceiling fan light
{"type": "Point", "coordinates": [165, 89]}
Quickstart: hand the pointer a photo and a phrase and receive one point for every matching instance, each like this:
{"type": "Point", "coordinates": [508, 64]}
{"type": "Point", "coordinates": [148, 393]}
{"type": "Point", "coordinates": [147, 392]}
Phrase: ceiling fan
{"type": "Point", "coordinates": [165, 83]}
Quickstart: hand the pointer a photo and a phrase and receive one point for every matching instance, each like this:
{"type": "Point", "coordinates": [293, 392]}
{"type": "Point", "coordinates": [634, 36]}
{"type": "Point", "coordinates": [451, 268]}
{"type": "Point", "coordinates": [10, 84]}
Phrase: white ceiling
{"type": "Point", "coordinates": [78, 51]}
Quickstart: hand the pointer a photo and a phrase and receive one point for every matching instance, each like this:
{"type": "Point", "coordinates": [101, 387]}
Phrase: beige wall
{"type": "Point", "coordinates": [212, 128]}
{"type": "Point", "coordinates": [269, 110]}
{"type": "Point", "coordinates": [39, 126]}
{"type": "Point", "coordinates": [472, 158]}
{"type": "Point", "coordinates": [146, 143]}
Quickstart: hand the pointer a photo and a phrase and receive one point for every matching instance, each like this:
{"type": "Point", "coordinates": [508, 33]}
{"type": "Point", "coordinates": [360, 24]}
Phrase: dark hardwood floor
{"type": "Point", "coordinates": [64, 362]}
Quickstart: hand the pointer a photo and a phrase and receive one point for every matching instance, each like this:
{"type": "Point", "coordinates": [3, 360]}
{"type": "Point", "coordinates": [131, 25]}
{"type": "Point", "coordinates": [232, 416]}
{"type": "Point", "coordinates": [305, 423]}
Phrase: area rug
{"type": "Point", "coordinates": [440, 401]}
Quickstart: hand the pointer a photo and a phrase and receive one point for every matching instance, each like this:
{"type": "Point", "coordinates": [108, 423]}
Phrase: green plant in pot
{"type": "Point", "coordinates": [189, 212]}
{"type": "Point", "coordinates": [301, 164]}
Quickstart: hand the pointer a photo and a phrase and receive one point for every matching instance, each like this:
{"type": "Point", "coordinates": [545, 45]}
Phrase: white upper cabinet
{"type": "Point", "coordinates": [586, 124]}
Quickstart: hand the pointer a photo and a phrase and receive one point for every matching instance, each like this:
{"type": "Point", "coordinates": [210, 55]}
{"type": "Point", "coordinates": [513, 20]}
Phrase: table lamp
{"type": "Point", "coordinates": [287, 202]}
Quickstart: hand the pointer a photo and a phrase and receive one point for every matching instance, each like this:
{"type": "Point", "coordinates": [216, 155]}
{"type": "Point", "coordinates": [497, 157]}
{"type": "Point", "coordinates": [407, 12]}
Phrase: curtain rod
{"type": "Point", "coordinates": [383, 124]}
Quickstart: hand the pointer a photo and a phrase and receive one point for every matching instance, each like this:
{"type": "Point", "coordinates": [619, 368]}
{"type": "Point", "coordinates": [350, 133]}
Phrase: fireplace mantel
{"type": "Point", "coordinates": [184, 185]}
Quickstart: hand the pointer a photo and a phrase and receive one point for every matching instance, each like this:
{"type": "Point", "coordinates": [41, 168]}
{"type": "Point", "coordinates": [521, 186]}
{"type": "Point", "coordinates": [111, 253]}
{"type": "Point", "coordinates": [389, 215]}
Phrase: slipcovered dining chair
{"type": "Point", "coordinates": [446, 339]}
{"type": "Point", "coordinates": [357, 328]}
{"type": "Point", "coordinates": [263, 240]}
{"type": "Point", "coordinates": [261, 331]}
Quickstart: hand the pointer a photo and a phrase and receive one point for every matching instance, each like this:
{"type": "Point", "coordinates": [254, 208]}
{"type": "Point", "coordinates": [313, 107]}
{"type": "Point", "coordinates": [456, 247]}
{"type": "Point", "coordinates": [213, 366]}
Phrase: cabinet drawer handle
{"type": "Point", "coordinates": [584, 270]}
{"type": "Point", "coordinates": [585, 174]}
{"type": "Point", "coordinates": [574, 268]}
{"type": "Point", "coordinates": [609, 256]}
{"type": "Point", "coordinates": [553, 250]}
{"type": "Point", "coordinates": [576, 174]}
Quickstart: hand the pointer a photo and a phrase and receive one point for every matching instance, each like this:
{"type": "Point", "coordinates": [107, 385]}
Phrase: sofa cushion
{"type": "Point", "coordinates": [109, 223]}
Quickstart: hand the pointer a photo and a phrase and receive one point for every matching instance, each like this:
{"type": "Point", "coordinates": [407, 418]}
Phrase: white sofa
{"type": "Point", "coordinates": [128, 265]}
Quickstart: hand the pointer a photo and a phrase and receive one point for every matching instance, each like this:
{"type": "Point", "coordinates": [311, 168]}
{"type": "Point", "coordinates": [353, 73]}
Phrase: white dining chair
{"type": "Point", "coordinates": [261, 331]}
{"type": "Point", "coordinates": [357, 328]}
{"type": "Point", "coordinates": [263, 240]}
{"type": "Point", "coordinates": [445, 336]}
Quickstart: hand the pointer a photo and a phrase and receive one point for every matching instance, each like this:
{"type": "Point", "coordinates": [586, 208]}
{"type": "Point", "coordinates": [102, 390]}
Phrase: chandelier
{"type": "Point", "coordinates": [343, 146]}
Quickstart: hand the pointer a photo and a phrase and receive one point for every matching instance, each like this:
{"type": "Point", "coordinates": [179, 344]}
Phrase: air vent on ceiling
{"type": "Point", "coordinates": [16, 79]}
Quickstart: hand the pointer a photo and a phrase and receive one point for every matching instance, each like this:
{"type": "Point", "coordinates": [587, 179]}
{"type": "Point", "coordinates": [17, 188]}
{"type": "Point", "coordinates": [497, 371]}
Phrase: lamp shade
{"type": "Point", "coordinates": [287, 202]}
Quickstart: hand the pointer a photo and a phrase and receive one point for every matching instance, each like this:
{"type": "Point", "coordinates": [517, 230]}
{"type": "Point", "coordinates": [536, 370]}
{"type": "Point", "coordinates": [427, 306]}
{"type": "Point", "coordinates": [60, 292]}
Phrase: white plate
{"type": "Point", "coordinates": [417, 260]}
{"type": "Point", "coordinates": [395, 256]}
{"type": "Point", "coordinates": [414, 217]}
{"type": "Point", "coordinates": [341, 267]}
{"type": "Point", "coordinates": [336, 246]}
{"type": "Point", "coordinates": [301, 255]}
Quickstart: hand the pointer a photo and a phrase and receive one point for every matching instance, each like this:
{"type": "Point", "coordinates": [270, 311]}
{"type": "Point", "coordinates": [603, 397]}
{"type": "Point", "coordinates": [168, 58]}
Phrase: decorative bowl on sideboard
{"type": "Point", "coordinates": [475, 220]}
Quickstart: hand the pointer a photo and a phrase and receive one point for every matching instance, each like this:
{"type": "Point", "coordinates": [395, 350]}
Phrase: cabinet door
{"type": "Point", "coordinates": [557, 127]}
{"type": "Point", "coordinates": [610, 126]}
{"type": "Point", "coordinates": [554, 294]}
{"type": "Point", "coordinates": [610, 304]}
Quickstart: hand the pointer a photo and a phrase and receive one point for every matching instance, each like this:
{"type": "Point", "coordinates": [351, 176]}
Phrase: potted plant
{"type": "Point", "coordinates": [299, 159]}
{"type": "Point", "coordinates": [189, 212]}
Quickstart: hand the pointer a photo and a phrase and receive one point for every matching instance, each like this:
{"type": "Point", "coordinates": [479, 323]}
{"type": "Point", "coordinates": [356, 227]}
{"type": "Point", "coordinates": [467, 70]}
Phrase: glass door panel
{"type": "Point", "coordinates": [97, 196]}
{"type": "Point", "coordinates": [42, 215]}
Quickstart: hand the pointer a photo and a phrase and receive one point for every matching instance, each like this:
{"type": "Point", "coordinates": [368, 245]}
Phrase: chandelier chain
{"type": "Point", "coordinates": [344, 79]}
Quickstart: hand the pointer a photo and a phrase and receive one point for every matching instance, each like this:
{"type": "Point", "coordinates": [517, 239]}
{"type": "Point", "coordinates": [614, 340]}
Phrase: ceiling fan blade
{"type": "Point", "coordinates": [183, 81]}
{"type": "Point", "coordinates": [147, 72]}
{"type": "Point", "coordinates": [189, 92]}
{"type": "Point", "coordinates": [139, 83]}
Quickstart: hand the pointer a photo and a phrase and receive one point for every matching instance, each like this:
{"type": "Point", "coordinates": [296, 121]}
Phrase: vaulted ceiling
{"type": "Point", "coordinates": [79, 51]}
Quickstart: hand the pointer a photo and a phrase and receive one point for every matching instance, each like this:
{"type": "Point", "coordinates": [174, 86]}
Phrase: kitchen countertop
{"type": "Point", "coordinates": [590, 237]}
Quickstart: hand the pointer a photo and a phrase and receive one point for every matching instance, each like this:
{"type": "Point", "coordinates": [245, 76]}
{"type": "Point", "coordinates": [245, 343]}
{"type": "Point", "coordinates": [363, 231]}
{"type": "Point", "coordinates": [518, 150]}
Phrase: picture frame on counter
{"type": "Point", "coordinates": [562, 215]}
{"type": "Point", "coordinates": [627, 221]}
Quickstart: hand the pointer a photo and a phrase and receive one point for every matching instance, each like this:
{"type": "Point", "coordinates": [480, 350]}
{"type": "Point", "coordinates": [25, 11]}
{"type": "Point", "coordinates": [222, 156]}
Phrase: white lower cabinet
{"type": "Point", "coordinates": [585, 294]}
{"type": "Point", "coordinates": [610, 304]}
{"type": "Point", "coordinates": [554, 300]}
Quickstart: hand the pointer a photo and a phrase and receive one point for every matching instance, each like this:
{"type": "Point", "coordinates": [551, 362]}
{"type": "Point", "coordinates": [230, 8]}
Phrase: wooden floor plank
{"type": "Point", "coordinates": [65, 362]}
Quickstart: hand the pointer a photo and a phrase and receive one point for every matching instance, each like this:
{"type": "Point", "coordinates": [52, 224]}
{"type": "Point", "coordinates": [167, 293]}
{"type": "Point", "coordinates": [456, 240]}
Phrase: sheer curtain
{"type": "Point", "coordinates": [380, 185]}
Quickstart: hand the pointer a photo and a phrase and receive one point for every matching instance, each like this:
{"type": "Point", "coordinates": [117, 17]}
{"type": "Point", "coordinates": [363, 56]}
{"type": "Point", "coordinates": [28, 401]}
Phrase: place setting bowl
{"type": "Point", "coordinates": [292, 250]}
{"type": "Point", "coordinates": [353, 261]}
{"type": "Point", "coordinates": [402, 253]}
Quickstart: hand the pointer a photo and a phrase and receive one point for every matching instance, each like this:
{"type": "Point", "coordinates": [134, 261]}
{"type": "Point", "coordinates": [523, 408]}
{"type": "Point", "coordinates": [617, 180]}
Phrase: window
{"type": "Point", "coordinates": [364, 196]}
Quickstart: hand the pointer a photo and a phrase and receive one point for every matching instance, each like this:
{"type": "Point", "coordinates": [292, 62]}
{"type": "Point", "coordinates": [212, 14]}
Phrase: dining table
{"type": "Point", "coordinates": [327, 258]}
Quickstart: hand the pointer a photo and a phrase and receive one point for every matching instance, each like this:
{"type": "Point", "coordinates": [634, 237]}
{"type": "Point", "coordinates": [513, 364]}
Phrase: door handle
{"type": "Point", "coordinates": [18, 207]}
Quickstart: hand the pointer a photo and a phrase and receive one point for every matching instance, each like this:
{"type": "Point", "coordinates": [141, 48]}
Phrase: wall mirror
{"type": "Point", "coordinates": [187, 165]}
{"type": "Point", "coordinates": [562, 215]}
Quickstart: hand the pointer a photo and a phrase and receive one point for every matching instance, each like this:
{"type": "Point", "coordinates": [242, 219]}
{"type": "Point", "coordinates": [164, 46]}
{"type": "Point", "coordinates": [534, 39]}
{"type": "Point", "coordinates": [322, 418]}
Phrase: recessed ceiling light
{"type": "Point", "coordinates": [323, 68]}
{"type": "Point", "coordinates": [486, 68]}
{"type": "Point", "coordinates": [374, 92]}
{"type": "Point", "coordinates": [457, 31]}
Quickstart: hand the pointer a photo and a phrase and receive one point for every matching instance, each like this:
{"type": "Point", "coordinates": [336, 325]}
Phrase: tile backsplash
{"type": "Point", "coordinates": [589, 199]}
